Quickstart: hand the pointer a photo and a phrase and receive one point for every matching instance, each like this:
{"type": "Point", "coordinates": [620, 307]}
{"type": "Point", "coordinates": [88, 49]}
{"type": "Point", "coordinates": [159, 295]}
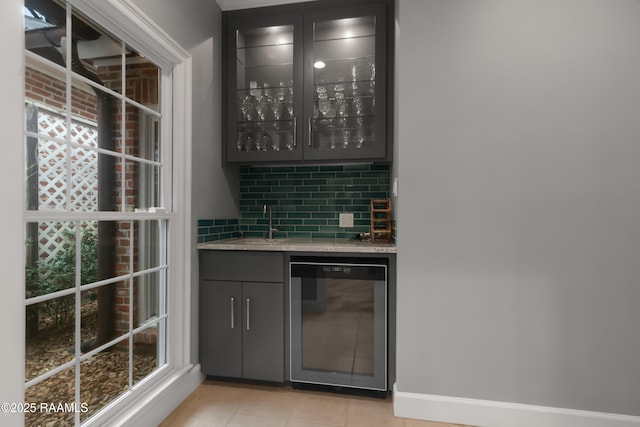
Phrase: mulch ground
{"type": "Point", "coordinates": [103, 377]}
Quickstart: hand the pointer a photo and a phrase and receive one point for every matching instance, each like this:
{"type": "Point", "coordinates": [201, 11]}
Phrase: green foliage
{"type": "Point", "coordinates": [59, 273]}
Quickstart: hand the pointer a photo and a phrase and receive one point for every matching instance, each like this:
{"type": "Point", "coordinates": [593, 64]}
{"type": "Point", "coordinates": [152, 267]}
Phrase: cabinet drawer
{"type": "Point", "coordinates": [243, 266]}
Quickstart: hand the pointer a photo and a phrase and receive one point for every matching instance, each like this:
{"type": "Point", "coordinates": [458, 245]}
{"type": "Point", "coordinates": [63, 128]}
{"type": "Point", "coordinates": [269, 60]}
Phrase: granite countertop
{"type": "Point", "coordinates": [299, 245]}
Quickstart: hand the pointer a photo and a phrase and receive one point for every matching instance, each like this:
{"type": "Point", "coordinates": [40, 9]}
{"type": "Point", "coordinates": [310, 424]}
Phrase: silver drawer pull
{"type": "Point", "coordinates": [248, 314]}
{"type": "Point", "coordinates": [233, 315]}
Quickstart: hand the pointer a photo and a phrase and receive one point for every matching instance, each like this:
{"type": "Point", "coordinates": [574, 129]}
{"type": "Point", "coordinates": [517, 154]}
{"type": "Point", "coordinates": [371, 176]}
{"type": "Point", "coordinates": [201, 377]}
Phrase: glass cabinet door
{"type": "Point", "coordinates": [345, 107]}
{"type": "Point", "coordinates": [306, 85]}
{"type": "Point", "coordinates": [263, 126]}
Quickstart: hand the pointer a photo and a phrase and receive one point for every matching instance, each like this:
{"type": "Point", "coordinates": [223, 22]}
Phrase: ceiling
{"type": "Point", "coordinates": [246, 4]}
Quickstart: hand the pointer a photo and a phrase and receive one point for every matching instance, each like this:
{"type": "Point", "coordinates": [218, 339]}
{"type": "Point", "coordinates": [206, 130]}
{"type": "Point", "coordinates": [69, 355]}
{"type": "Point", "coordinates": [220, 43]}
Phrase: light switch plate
{"type": "Point", "coordinates": [346, 220]}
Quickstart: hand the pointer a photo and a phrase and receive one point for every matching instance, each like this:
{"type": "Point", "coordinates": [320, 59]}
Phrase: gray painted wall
{"type": "Point", "coordinates": [196, 26]}
{"type": "Point", "coordinates": [519, 232]}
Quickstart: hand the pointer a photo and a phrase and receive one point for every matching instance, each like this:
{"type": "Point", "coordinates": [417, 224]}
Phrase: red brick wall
{"type": "Point", "coordinates": [46, 90]}
{"type": "Point", "coordinates": [142, 87]}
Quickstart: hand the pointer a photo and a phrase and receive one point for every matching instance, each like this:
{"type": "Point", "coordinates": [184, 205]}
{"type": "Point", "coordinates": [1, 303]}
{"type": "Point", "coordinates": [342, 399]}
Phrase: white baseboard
{"type": "Point", "coordinates": [485, 413]}
{"type": "Point", "coordinates": [159, 403]}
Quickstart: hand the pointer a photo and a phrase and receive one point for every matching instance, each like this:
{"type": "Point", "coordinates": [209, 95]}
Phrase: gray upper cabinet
{"type": "Point", "coordinates": [309, 85]}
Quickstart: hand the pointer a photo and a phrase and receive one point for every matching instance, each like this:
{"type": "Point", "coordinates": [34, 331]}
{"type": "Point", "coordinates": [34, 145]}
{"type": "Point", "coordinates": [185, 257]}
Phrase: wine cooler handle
{"type": "Point", "coordinates": [233, 315]}
{"type": "Point", "coordinates": [248, 314]}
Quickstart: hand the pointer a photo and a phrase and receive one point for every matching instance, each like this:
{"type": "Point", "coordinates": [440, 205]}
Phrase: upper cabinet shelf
{"type": "Point", "coordinates": [307, 83]}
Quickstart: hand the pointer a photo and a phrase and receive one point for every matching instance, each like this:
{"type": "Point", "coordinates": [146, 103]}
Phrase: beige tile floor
{"type": "Point", "coordinates": [216, 404]}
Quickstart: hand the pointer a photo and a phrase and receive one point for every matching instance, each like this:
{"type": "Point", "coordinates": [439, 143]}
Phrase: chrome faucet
{"type": "Point", "coordinates": [266, 207]}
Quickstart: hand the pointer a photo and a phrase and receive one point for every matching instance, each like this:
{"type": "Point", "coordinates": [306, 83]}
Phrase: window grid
{"type": "Point", "coordinates": [123, 215]}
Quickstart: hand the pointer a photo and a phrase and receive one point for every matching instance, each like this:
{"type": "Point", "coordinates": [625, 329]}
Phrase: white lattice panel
{"type": "Point", "coordinates": [51, 125]}
{"type": "Point", "coordinates": [53, 189]}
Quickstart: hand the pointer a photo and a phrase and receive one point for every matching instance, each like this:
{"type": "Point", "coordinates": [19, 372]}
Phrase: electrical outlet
{"type": "Point", "coordinates": [346, 220]}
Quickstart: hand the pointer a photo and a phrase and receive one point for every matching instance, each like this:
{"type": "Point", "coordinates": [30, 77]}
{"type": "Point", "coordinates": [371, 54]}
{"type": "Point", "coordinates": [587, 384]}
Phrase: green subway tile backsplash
{"type": "Point", "coordinates": [306, 200]}
{"type": "Point", "coordinates": [217, 229]}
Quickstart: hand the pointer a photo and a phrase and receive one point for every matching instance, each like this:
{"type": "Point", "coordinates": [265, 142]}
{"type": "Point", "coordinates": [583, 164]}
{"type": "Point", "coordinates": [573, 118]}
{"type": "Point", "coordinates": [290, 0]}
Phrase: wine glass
{"type": "Point", "coordinates": [275, 140]}
{"type": "Point", "coordinates": [288, 140]}
{"type": "Point", "coordinates": [331, 112]}
{"type": "Point", "coordinates": [265, 141]}
{"type": "Point", "coordinates": [260, 108]}
{"type": "Point", "coordinates": [320, 86]}
{"type": "Point", "coordinates": [339, 86]}
{"type": "Point", "coordinates": [240, 141]}
{"type": "Point", "coordinates": [259, 142]}
{"type": "Point", "coordinates": [341, 105]}
{"type": "Point", "coordinates": [324, 105]}
{"type": "Point", "coordinates": [245, 141]}
{"type": "Point", "coordinates": [247, 109]}
{"type": "Point", "coordinates": [332, 140]}
{"type": "Point", "coordinates": [358, 106]}
{"type": "Point", "coordinates": [289, 106]}
{"type": "Point", "coordinates": [346, 135]}
{"type": "Point", "coordinates": [359, 133]}
{"type": "Point", "coordinates": [276, 109]}
{"type": "Point", "coordinates": [279, 102]}
{"type": "Point", "coordinates": [267, 90]}
{"type": "Point", "coordinates": [289, 99]}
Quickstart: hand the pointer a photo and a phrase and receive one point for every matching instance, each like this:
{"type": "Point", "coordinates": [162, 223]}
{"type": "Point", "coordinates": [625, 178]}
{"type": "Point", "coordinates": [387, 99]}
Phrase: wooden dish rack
{"type": "Point", "coordinates": [380, 228]}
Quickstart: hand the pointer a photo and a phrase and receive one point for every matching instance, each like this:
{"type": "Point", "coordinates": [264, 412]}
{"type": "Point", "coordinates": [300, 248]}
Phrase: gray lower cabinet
{"type": "Point", "coordinates": [242, 322]}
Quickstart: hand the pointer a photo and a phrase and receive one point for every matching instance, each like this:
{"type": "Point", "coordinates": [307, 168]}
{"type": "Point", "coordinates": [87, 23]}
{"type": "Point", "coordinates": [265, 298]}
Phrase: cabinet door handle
{"type": "Point", "coordinates": [295, 132]}
{"type": "Point", "coordinates": [310, 133]}
{"type": "Point", "coordinates": [233, 314]}
{"type": "Point", "coordinates": [248, 314]}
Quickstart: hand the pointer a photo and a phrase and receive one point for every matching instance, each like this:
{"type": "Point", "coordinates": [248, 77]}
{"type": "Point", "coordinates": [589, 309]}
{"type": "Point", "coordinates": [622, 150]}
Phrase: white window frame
{"type": "Point", "coordinates": [152, 399]}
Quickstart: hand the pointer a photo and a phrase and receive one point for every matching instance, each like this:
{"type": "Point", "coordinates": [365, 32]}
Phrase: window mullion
{"type": "Point", "coordinates": [162, 303]}
{"type": "Point", "coordinates": [69, 94]}
{"type": "Point", "coordinates": [123, 129]}
{"type": "Point", "coordinates": [166, 137]}
{"type": "Point", "coordinates": [78, 317]}
{"type": "Point", "coordinates": [131, 281]}
{"type": "Point", "coordinates": [69, 182]}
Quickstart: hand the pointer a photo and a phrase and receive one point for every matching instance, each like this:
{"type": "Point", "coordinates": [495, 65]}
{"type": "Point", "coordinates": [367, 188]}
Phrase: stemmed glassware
{"type": "Point", "coordinates": [260, 108]}
{"type": "Point", "coordinates": [245, 141]}
{"type": "Point", "coordinates": [342, 109]}
{"type": "Point", "coordinates": [278, 103]}
{"type": "Point", "coordinates": [287, 90]}
{"type": "Point", "coordinates": [247, 109]}
{"type": "Point", "coordinates": [372, 81]}
{"type": "Point", "coordinates": [324, 105]}
{"type": "Point", "coordinates": [323, 100]}
{"type": "Point", "coordinates": [240, 141]}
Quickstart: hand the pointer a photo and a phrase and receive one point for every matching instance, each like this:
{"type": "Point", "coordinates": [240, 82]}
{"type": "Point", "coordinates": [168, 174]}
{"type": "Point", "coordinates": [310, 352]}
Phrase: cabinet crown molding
{"type": "Point", "coordinates": [248, 4]}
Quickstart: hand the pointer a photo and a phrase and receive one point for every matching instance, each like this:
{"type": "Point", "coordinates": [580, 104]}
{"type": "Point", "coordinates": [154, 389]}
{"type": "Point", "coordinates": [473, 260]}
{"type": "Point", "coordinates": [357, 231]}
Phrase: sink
{"type": "Point", "coordinates": [259, 241]}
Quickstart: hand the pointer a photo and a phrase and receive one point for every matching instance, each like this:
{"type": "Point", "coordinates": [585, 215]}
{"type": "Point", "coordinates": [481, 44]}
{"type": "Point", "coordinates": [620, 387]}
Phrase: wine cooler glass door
{"type": "Point", "coordinates": [338, 325]}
